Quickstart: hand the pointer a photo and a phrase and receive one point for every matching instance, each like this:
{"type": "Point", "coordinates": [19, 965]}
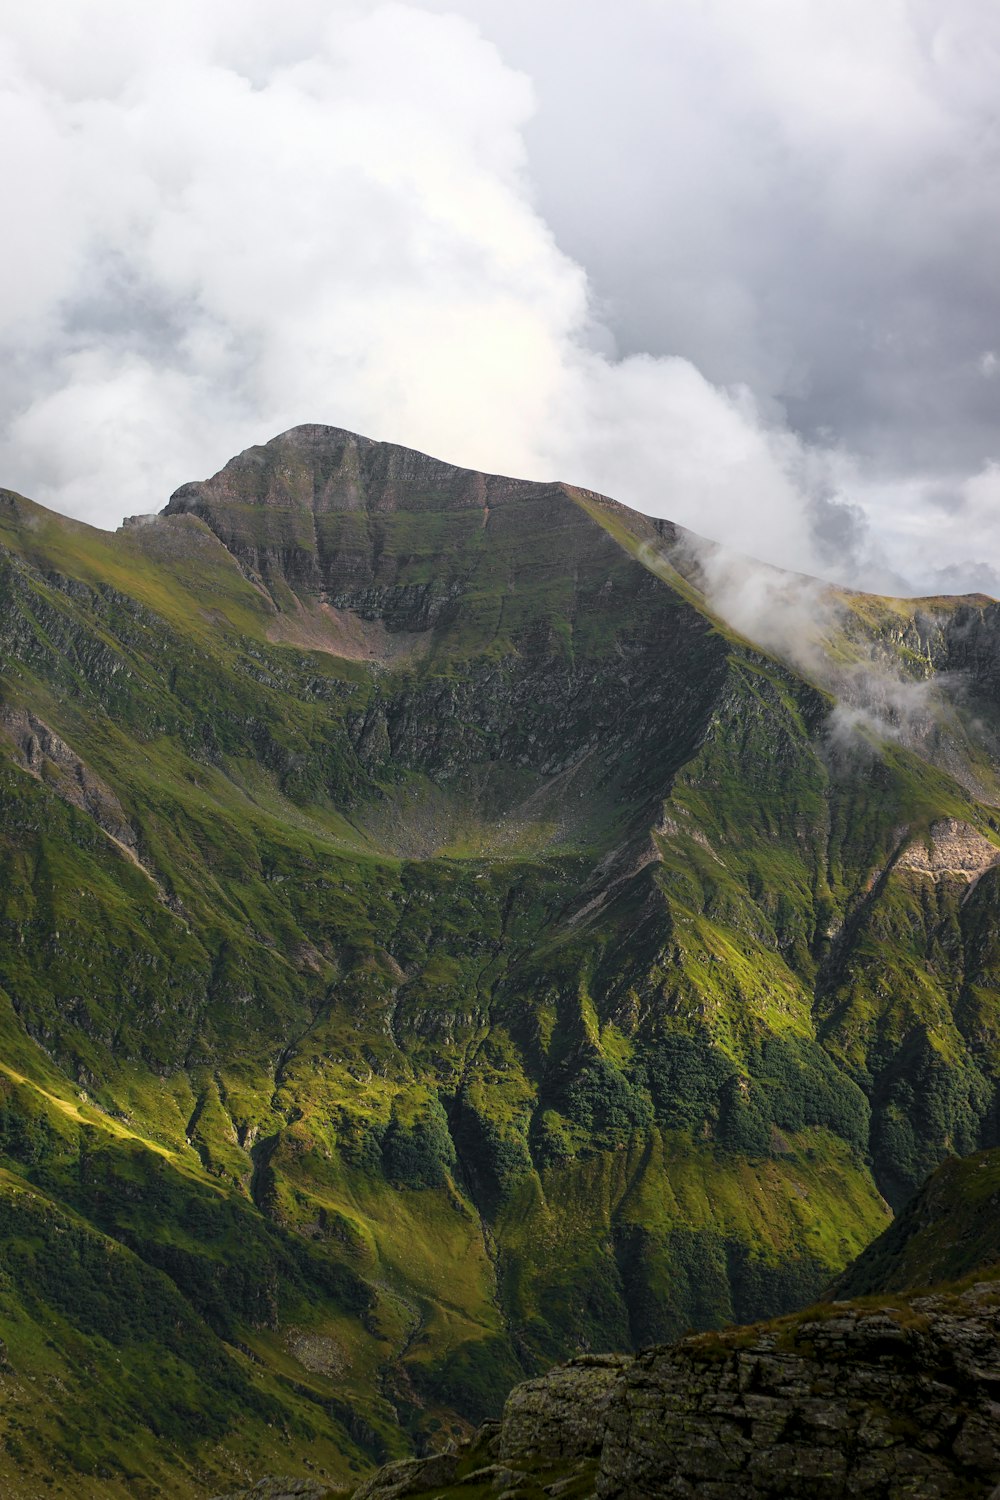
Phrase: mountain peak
{"type": "Point", "coordinates": [335, 515]}
{"type": "Point", "coordinates": [318, 468]}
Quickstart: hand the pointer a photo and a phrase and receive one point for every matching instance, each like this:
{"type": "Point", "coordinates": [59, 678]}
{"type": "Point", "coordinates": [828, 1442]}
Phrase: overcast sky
{"type": "Point", "coordinates": [736, 262]}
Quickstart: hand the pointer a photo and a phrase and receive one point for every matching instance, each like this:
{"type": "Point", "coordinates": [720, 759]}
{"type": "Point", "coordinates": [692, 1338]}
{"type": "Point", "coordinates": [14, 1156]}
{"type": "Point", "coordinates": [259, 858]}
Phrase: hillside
{"type": "Point", "coordinates": [885, 1388]}
{"type": "Point", "coordinates": [947, 1232]}
{"type": "Point", "coordinates": [433, 944]}
{"type": "Point", "coordinates": [890, 1398]}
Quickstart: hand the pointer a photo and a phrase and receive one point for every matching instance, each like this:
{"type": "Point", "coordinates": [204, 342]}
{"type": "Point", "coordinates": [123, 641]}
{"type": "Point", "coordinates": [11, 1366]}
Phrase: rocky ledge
{"type": "Point", "coordinates": [850, 1399]}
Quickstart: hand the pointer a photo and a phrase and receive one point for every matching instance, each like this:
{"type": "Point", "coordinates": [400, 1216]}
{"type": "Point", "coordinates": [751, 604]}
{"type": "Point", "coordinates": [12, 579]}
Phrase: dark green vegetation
{"type": "Point", "coordinates": [949, 1232]}
{"type": "Point", "coordinates": [431, 943]}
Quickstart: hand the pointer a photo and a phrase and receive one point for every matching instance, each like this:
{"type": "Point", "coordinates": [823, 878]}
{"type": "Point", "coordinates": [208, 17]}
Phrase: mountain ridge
{"type": "Point", "coordinates": [550, 970]}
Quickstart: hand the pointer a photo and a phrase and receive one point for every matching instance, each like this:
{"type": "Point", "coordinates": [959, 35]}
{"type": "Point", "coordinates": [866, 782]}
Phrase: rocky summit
{"type": "Point", "coordinates": [449, 926]}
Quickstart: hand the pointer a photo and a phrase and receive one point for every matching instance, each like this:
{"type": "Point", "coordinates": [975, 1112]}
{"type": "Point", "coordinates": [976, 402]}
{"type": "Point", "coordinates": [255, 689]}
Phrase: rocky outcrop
{"type": "Point", "coordinates": [857, 1401]}
{"type": "Point", "coordinates": [410, 1476]}
{"type": "Point", "coordinates": [561, 1416]}
{"type": "Point", "coordinates": [953, 848]}
{"type": "Point", "coordinates": [848, 1400]}
{"type": "Point", "coordinates": [41, 752]}
{"type": "Point", "coordinates": [281, 1489]}
{"type": "Point", "coordinates": [314, 507]}
{"type": "Point", "coordinates": [380, 533]}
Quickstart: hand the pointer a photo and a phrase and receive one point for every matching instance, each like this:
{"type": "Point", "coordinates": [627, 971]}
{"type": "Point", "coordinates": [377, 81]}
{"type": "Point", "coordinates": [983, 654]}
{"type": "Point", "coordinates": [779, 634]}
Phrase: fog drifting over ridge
{"type": "Point", "coordinates": [780, 327]}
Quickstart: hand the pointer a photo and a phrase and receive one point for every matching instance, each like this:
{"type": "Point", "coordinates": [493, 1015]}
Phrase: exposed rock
{"type": "Point", "coordinates": [302, 485]}
{"type": "Point", "coordinates": [954, 848]}
{"type": "Point", "coordinates": [317, 1352]}
{"type": "Point", "coordinates": [41, 752]}
{"type": "Point", "coordinates": [562, 1415]}
{"type": "Point", "coordinates": [852, 1400]}
{"type": "Point", "coordinates": [558, 854]}
{"type": "Point", "coordinates": [409, 1476]}
{"type": "Point", "coordinates": [280, 1489]}
{"type": "Point", "coordinates": [860, 1401]}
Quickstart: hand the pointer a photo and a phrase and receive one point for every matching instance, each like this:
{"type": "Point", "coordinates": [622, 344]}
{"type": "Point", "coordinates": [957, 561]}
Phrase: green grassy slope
{"type": "Point", "coordinates": [949, 1232]}
{"type": "Point", "coordinates": [431, 943]}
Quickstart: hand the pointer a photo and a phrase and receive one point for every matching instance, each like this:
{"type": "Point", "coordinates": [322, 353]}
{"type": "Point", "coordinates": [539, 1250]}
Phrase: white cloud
{"type": "Point", "coordinates": [220, 249]}
{"type": "Point", "coordinates": [232, 217]}
{"type": "Point", "coordinates": [342, 232]}
{"type": "Point", "coordinates": [657, 435]}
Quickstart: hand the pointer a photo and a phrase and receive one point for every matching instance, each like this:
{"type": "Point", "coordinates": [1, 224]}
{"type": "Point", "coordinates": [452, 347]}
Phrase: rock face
{"type": "Point", "coordinates": [562, 1416]}
{"type": "Point", "coordinates": [409, 1476]}
{"type": "Point", "coordinates": [859, 1402]}
{"type": "Point", "coordinates": [850, 1400]}
{"type": "Point", "coordinates": [280, 1489]}
{"type": "Point", "coordinates": [327, 511]}
{"type": "Point", "coordinates": [952, 848]}
{"type": "Point", "coordinates": [44, 755]}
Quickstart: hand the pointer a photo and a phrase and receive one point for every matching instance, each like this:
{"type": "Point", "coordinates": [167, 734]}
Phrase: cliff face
{"type": "Point", "coordinates": [856, 1402]}
{"type": "Point", "coordinates": [432, 944]}
{"type": "Point", "coordinates": [373, 526]}
{"type": "Point", "coordinates": [852, 1400]}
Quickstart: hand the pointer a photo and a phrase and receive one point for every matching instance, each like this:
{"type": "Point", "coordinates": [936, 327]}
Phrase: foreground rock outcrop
{"type": "Point", "coordinates": [884, 1401]}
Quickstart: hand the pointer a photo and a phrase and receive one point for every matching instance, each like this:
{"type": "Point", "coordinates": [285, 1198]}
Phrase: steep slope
{"type": "Point", "coordinates": [871, 1392]}
{"type": "Point", "coordinates": [948, 1231]}
{"type": "Point", "coordinates": [432, 943]}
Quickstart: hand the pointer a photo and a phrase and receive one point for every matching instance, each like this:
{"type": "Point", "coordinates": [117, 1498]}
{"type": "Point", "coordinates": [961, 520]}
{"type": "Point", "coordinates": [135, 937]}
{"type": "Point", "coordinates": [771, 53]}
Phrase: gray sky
{"type": "Point", "coordinates": [732, 261]}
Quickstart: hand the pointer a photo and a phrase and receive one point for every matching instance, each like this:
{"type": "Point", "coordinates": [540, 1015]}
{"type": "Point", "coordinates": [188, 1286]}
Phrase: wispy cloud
{"type": "Point", "coordinates": [881, 694]}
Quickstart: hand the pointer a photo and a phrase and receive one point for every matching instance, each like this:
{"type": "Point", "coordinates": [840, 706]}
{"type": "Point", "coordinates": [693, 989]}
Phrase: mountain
{"type": "Point", "coordinates": [948, 1232]}
{"type": "Point", "coordinates": [434, 942]}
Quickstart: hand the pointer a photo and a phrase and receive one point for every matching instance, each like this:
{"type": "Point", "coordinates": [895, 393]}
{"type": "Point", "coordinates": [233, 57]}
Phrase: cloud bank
{"type": "Point", "coordinates": [227, 218]}
{"type": "Point", "coordinates": [804, 199]}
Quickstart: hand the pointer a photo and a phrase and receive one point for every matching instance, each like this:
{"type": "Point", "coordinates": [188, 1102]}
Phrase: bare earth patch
{"type": "Point", "coordinates": [341, 632]}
